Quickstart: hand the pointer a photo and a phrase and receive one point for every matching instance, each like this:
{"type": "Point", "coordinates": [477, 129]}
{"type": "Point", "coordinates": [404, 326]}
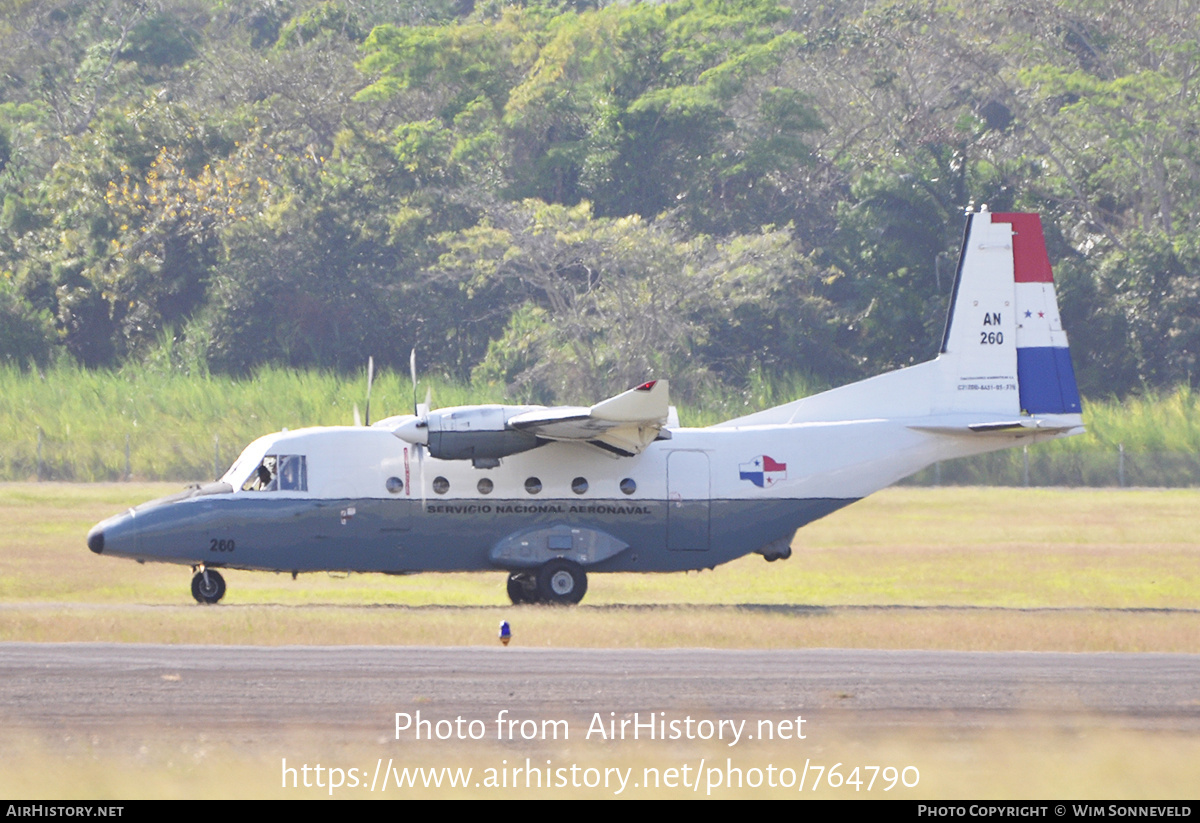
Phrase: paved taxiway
{"type": "Point", "coordinates": [349, 691]}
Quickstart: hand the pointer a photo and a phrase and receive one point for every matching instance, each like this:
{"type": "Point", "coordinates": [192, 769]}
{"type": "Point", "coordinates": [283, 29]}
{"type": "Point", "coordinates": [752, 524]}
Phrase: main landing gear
{"type": "Point", "coordinates": [207, 585]}
{"type": "Point", "coordinates": [560, 582]}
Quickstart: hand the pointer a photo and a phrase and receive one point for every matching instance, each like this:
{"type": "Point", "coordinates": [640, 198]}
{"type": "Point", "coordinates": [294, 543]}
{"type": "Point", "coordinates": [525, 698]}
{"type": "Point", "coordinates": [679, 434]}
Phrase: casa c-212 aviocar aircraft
{"type": "Point", "coordinates": [551, 495]}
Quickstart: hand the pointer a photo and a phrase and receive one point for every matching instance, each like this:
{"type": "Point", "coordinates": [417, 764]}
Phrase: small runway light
{"type": "Point", "coordinates": [505, 632]}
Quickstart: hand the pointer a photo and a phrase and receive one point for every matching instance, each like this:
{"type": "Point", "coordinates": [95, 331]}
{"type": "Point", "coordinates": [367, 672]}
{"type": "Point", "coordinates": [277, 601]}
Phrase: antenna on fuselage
{"type": "Point", "coordinates": [358, 421]}
{"type": "Point", "coordinates": [412, 368]}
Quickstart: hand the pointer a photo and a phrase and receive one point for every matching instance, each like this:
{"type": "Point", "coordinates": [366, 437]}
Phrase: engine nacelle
{"type": "Point", "coordinates": [476, 433]}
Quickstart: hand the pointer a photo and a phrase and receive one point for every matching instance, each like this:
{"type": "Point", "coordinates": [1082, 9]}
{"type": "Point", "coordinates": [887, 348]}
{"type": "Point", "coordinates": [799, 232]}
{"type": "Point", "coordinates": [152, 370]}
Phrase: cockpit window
{"type": "Point", "coordinates": [279, 472]}
{"type": "Point", "coordinates": [263, 478]}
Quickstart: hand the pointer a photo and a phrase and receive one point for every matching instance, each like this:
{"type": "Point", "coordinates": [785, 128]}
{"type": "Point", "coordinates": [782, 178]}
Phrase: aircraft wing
{"type": "Point", "coordinates": [624, 424]}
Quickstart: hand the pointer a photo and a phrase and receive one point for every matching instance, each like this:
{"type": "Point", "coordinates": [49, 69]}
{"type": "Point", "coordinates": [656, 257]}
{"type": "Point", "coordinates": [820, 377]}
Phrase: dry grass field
{"type": "Point", "coordinates": [1025, 764]}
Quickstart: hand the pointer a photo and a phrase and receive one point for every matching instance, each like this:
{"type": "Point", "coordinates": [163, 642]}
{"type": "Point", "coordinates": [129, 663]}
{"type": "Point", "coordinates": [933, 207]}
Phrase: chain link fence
{"type": "Point", "coordinates": [1106, 467]}
{"type": "Point", "coordinates": [123, 458]}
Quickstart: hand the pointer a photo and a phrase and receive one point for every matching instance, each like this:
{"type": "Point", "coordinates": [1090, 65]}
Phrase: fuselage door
{"type": "Point", "coordinates": [687, 501]}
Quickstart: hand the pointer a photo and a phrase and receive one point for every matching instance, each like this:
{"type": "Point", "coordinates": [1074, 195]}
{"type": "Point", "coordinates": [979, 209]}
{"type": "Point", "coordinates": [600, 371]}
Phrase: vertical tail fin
{"type": "Point", "coordinates": [978, 360]}
{"type": "Point", "coordinates": [1004, 352]}
{"type": "Point", "coordinates": [1004, 324]}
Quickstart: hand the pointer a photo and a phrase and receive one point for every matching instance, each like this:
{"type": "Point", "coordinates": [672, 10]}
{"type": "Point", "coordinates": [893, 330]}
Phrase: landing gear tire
{"type": "Point", "coordinates": [561, 582]}
{"type": "Point", "coordinates": [208, 586]}
{"type": "Point", "coordinates": [522, 588]}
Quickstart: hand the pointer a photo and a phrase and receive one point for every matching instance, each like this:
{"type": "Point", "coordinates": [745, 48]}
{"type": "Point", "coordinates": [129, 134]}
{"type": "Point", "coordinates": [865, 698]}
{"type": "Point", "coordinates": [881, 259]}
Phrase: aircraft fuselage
{"type": "Point", "coordinates": [701, 498]}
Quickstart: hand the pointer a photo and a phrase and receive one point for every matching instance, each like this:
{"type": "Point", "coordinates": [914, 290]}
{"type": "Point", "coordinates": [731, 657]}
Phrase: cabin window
{"type": "Point", "coordinates": [441, 485]}
{"type": "Point", "coordinates": [279, 472]}
{"type": "Point", "coordinates": [628, 486]}
{"type": "Point", "coordinates": [485, 486]}
{"type": "Point", "coordinates": [533, 485]}
{"type": "Point", "coordinates": [394, 485]}
{"type": "Point", "coordinates": [579, 485]}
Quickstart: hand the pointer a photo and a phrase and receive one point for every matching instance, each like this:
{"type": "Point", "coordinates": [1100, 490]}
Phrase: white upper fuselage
{"type": "Point", "coordinates": [845, 459]}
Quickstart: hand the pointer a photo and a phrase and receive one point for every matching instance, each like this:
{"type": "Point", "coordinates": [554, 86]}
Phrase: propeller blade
{"type": "Point", "coordinates": [412, 367]}
{"type": "Point", "coordinates": [357, 416]}
{"type": "Point", "coordinates": [370, 380]}
{"type": "Point", "coordinates": [421, 471]}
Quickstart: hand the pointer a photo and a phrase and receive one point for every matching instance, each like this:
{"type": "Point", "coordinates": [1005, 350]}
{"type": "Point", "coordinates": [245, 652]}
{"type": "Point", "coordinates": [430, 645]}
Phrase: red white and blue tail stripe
{"type": "Point", "coordinates": [1045, 376]}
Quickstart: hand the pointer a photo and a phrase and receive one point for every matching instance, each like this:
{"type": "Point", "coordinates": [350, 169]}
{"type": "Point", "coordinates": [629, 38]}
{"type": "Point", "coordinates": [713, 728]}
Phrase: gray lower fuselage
{"type": "Point", "coordinates": [404, 536]}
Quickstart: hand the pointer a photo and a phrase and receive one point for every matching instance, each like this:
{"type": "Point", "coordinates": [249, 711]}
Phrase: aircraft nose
{"type": "Point", "coordinates": [115, 537]}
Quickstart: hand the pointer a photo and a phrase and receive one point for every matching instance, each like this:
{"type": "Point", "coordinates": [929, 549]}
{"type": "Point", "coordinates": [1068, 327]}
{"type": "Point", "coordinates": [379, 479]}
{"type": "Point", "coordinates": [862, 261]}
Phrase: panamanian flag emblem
{"type": "Point", "coordinates": [763, 472]}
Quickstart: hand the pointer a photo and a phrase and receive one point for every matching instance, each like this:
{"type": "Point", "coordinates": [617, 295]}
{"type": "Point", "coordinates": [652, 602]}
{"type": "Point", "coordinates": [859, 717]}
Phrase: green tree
{"type": "Point", "coordinates": [638, 108]}
{"type": "Point", "coordinates": [26, 334]}
{"type": "Point", "coordinates": [606, 303]}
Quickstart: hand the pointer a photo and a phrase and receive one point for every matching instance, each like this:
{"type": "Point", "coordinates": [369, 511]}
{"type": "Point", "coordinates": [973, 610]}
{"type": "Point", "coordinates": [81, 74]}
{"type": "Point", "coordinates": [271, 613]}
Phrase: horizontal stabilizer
{"type": "Point", "coordinates": [1049, 424]}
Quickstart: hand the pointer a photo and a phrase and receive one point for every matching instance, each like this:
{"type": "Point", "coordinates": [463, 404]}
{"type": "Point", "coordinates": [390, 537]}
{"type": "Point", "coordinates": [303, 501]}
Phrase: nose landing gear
{"type": "Point", "coordinates": [207, 585]}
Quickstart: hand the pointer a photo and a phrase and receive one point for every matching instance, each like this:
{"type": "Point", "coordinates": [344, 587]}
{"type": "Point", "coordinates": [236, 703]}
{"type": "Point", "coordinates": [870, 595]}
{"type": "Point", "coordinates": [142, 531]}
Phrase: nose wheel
{"type": "Point", "coordinates": [208, 586]}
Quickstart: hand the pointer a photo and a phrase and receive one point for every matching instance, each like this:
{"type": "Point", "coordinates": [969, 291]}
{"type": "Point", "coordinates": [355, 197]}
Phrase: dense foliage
{"type": "Point", "coordinates": [571, 196]}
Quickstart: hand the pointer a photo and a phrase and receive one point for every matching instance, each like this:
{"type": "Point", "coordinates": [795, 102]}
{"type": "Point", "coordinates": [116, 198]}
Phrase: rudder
{"type": "Point", "coordinates": [1044, 371]}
